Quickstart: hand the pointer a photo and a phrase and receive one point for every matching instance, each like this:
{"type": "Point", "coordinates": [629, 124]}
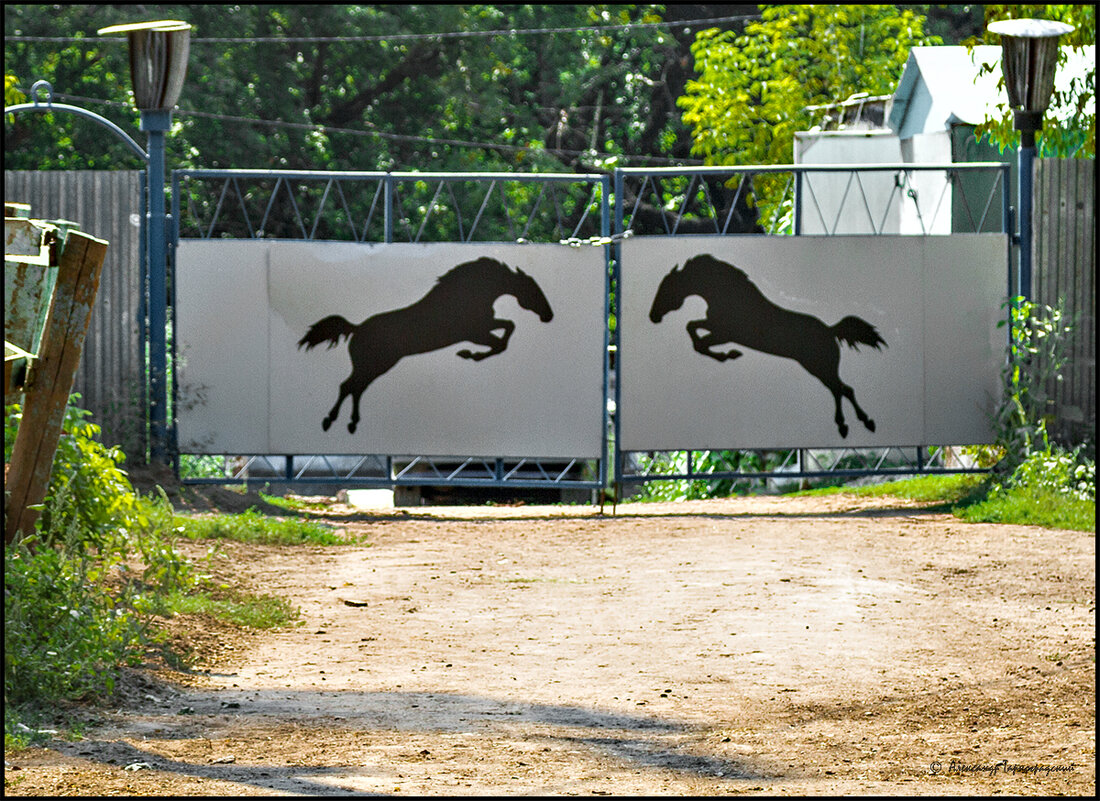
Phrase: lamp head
{"type": "Point", "coordinates": [1029, 50]}
{"type": "Point", "coordinates": [158, 61]}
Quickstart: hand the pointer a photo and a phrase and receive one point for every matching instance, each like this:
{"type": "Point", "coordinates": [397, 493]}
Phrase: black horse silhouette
{"type": "Point", "coordinates": [459, 308]}
{"type": "Point", "coordinates": [737, 312]}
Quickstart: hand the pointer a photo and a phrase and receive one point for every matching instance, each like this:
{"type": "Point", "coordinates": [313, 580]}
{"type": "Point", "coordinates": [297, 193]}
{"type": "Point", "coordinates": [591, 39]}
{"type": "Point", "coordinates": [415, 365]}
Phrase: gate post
{"type": "Point", "coordinates": [617, 285]}
{"type": "Point", "coordinates": [157, 123]}
{"type": "Point", "coordinates": [797, 202]}
{"type": "Point", "coordinates": [387, 208]}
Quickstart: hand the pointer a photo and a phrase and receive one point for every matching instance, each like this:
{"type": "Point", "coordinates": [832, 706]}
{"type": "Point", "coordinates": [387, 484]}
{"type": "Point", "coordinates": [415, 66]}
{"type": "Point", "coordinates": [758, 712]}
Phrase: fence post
{"type": "Point", "coordinates": [617, 288]}
{"type": "Point", "coordinates": [51, 380]}
{"type": "Point", "coordinates": [797, 202]}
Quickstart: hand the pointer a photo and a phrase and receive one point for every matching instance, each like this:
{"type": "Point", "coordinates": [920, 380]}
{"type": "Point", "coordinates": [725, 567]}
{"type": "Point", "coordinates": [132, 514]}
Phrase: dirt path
{"type": "Point", "coordinates": [761, 645]}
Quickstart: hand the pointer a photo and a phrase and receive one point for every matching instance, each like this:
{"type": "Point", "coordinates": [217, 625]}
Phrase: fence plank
{"type": "Point", "coordinates": [1064, 258]}
{"type": "Point", "coordinates": [111, 378]}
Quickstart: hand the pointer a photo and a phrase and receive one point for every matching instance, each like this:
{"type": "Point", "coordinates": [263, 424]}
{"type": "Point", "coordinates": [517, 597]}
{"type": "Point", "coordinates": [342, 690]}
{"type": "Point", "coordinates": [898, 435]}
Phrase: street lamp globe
{"type": "Point", "coordinates": [1029, 59]}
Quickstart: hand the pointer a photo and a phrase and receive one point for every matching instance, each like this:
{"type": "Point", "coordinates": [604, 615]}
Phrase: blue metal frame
{"type": "Point", "coordinates": [924, 457]}
{"type": "Point", "coordinates": [414, 470]}
{"type": "Point", "coordinates": [48, 106]}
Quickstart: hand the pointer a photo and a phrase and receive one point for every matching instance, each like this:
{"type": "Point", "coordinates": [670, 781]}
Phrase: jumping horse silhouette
{"type": "Point", "coordinates": [459, 308]}
{"type": "Point", "coordinates": [737, 312]}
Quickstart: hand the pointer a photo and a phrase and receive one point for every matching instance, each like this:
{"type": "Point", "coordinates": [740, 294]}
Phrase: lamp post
{"type": "Point", "coordinates": [158, 63]}
{"type": "Point", "coordinates": [1029, 59]}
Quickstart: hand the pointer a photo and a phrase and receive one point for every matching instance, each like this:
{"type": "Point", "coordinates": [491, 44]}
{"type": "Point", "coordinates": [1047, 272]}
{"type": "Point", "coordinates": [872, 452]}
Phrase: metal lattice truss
{"type": "Point", "coordinates": [751, 467]}
{"type": "Point", "coordinates": [825, 199]}
{"type": "Point", "coordinates": [387, 471]}
{"type": "Point", "coordinates": [390, 207]}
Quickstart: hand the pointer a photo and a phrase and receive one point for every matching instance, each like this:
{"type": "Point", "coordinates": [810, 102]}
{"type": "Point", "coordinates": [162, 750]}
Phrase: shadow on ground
{"type": "Point", "coordinates": [252, 724]}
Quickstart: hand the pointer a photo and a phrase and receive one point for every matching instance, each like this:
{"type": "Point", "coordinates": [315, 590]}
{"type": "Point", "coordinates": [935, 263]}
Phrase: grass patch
{"type": "Point", "coordinates": [293, 503]}
{"type": "Point", "coordinates": [235, 608]}
{"type": "Point", "coordinates": [259, 529]}
{"type": "Point", "coordinates": [977, 499]}
{"type": "Point", "coordinates": [945, 489]}
{"type": "Point", "coordinates": [1032, 506]}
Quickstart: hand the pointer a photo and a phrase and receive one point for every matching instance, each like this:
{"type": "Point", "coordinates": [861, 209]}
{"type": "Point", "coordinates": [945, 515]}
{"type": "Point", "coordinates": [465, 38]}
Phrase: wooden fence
{"type": "Point", "coordinates": [106, 203]}
{"type": "Point", "coordinates": [1064, 268]}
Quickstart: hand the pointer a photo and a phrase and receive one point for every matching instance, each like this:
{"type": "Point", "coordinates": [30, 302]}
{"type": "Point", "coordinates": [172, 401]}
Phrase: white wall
{"type": "Point", "coordinates": [930, 212]}
{"type": "Point", "coordinates": [873, 202]}
{"type": "Point", "coordinates": [842, 204]}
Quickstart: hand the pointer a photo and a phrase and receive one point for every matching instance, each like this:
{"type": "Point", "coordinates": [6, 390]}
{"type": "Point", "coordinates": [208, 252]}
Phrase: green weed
{"type": "Point", "coordinates": [932, 489]}
{"type": "Point", "coordinates": [239, 609]}
{"type": "Point", "coordinates": [293, 503]}
{"type": "Point", "coordinates": [259, 529]}
{"type": "Point", "coordinates": [83, 591]}
{"type": "Point", "coordinates": [1032, 506]}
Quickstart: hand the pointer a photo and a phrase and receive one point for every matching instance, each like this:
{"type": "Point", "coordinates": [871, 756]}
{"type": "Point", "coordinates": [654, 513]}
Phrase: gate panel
{"type": "Point", "coordinates": [253, 441]}
{"type": "Point", "coordinates": [425, 315]}
{"type": "Point", "coordinates": [922, 312]}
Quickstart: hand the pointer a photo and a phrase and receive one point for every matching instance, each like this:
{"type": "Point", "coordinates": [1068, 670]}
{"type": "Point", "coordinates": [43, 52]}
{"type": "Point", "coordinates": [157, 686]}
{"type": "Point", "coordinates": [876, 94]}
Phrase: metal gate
{"type": "Point", "coordinates": [829, 200]}
{"type": "Point", "coordinates": [577, 211]}
{"type": "Point", "coordinates": [566, 210]}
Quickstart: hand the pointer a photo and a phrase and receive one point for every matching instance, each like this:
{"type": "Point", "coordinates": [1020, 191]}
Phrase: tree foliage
{"type": "Point", "coordinates": [753, 88]}
{"type": "Point", "coordinates": [374, 90]}
{"type": "Point", "coordinates": [1069, 126]}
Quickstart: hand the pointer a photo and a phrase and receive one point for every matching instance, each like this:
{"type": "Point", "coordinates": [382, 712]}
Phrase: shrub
{"type": "Point", "coordinates": [1037, 355]}
{"type": "Point", "coordinates": [64, 634]}
{"type": "Point", "coordinates": [89, 495]}
{"type": "Point", "coordinates": [73, 611]}
{"type": "Point", "coordinates": [702, 463]}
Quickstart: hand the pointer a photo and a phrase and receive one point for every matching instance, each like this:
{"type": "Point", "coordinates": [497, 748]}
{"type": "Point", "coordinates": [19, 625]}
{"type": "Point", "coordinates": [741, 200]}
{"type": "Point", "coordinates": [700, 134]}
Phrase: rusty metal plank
{"type": "Point", "coordinates": [27, 241]}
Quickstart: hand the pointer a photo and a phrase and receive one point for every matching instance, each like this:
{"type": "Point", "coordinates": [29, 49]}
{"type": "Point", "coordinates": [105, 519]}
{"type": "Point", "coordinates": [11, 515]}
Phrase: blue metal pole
{"type": "Point", "coordinates": [609, 258]}
{"type": "Point", "coordinates": [156, 124]}
{"type": "Point", "coordinates": [387, 208]}
{"type": "Point", "coordinates": [617, 284]}
{"type": "Point", "coordinates": [1025, 162]}
{"type": "Point", "coordinates": [798, 202]}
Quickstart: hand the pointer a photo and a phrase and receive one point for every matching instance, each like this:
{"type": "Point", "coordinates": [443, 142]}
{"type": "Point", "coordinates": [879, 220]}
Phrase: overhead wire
{"type": "Point", "coordinates": [695, 23]}
{"type": "Point", "coordinates": [327, 129]}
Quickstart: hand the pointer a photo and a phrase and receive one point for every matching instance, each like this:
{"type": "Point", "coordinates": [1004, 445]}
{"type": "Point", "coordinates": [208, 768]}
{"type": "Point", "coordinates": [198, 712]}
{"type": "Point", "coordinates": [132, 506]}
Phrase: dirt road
{"type": "Point", "coordinates": [759, 645]}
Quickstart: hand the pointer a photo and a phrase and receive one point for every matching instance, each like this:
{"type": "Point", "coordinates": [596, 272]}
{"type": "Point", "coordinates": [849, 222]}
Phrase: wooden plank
{"type": "Point", "coordinates": [1075, 268]}
{"type": "Point", "coordinates": [1065, 268]}
{"type": "Point", "coordinates": [1086, 227]}
{"type": "Point", "coordinates": [47, 391]}
{"type": "Point", "coordinates": [111, 378]}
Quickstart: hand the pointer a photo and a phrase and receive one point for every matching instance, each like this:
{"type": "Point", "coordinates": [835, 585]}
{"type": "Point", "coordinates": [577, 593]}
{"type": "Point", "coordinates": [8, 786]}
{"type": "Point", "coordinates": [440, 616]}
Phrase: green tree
{"type": "Point", "coordinates": [753, 88]}
{"type": "Point", "coordinates": [1069, 126]}
{"type": "Point", "coordinates": [369, 87]}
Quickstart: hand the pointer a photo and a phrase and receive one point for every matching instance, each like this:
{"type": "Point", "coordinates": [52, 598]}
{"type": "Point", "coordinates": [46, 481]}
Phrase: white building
{"type": "Point", "coordinates": [929, 119]}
